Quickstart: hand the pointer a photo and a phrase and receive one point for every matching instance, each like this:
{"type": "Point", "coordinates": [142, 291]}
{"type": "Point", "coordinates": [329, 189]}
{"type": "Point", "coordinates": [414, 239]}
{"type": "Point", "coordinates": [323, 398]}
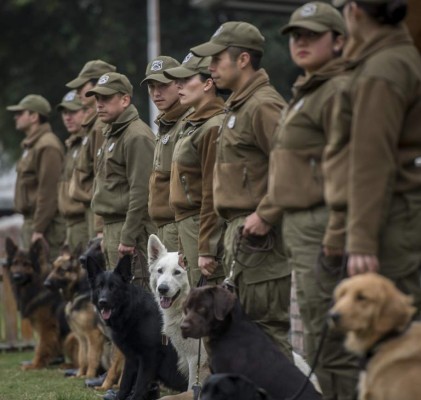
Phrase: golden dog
{"type": "Point", "coordinates": [376, 317]}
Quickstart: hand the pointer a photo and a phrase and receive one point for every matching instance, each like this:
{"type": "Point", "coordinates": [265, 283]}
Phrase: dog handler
{"type": "Point", "coordinates": [38, 173]}
{"type": "Point", "coordinates": [262, 279]}
{"type": "Point", "coordinates": [164, 93]}
{"type": "Point", "coordinates": [373, 159]}
{"type": "Point", "coordinates": [317, 35]}
{"type": "Point", "coordinates": [124, 166]}
{"type": "Point", "coordinates": [199, 227]}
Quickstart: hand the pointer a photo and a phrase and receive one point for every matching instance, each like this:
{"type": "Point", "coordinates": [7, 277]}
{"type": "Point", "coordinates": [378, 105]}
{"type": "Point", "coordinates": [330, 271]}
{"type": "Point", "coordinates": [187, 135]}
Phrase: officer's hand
{"type": "Point", "coordinates": [123, 250]}
{"type": "Point", "coordinates": [361, 263]}
{"type": "Point", "coordinates": [254, 225]}
{"type": "Point", "coordinates": [36, 235]}
{"type": "Point", "coordinates": [207, 265]}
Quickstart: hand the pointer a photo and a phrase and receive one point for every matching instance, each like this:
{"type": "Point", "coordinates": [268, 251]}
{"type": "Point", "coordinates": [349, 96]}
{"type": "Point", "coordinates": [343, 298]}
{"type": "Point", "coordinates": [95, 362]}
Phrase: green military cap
{"type": "Point", "coordinates": [232, 33]}
{"type": "Point", "coordinates": [341, 3]}
{"type": "Point", "coordinates": [32, 102]}
{"type": "Point", "coordinates": [111, 83]}
{"type": "Point", "coordinates": [71, 101]}
{"type": "Point", "coordinates": [190, 66]}
{"type": "Point", "coordinates": [92, 70]}
{"type": "Point", "coordinates": [316, 17]}
{"type": "Point", "coordinates": [155, 69]}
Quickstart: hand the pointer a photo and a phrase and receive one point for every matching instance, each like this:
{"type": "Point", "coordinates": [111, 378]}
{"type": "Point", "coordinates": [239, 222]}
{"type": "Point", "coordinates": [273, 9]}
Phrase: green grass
{"type": "Point", "coordinates": [45, 384]}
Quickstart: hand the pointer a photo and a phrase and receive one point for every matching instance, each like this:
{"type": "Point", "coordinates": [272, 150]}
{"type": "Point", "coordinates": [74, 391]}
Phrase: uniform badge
{"type": "Point", "coordinates": [165, 139]}
{"type": "Point", "coordinates": [308, 10]}
{"type": "Point", "coordinates": [25, 153]}
{"type": "Point", "coordinates": [84, 141]}
{"type": "Point", "coordinates": [157, 65]}
{"type": "Point", "coordinates": [110, 148]}
{"type": "Point", "coordinates": [231, 122]}
{"type": "Point", "coordinates": [75, 154]}
{"type": "Point", "coordinates": [103, 80]}
{"type": "Point", "coordinates": [98, 153]}
{"type": "Point", "coordinates": [299, 105]}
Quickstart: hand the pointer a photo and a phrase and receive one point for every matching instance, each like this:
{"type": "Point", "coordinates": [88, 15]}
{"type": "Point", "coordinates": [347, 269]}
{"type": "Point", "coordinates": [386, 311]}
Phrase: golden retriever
{"type": "Point", "coordinates": [376, 317]}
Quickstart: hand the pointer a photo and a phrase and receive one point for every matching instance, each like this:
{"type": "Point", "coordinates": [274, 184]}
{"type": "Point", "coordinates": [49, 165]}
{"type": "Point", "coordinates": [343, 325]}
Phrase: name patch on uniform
{"type": "Point", "coordinates": [111, 147]}
{"type": "Point", "coordinates": [165, 139]}
{"type": "Point", "coordinates": [299, 105]}
{"type": "Point", "coordinates": [231, 122]}
{"type": "Point", "coordinates": [84, 141]}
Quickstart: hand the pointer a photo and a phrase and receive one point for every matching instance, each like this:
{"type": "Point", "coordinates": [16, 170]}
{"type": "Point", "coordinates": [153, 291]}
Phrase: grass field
{"type": "Point", "coordinates": [46, 384]}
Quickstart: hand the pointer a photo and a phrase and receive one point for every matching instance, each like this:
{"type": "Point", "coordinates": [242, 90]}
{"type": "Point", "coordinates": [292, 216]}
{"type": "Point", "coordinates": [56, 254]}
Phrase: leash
{"type": "Point", "coordinates": [342, 274]}
{"type": "Point", "coordinates": [197, 386]}
{"type": "Point", "coordinates": [138, 258]}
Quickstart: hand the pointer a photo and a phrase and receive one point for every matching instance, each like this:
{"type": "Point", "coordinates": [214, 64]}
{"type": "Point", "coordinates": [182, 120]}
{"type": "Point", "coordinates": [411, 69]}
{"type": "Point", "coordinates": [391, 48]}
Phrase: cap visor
{"type": "Point", "coordinates": [339, 3]}
{"type": "Point", "coordinates": [101, 90]}
{"type": "Point", "coordinates": [156, 77]}
{"type": "Point", "coordinates": [208, 49]}
{"type": "Point", "coordinates": [16, 108]}
{"type": "Point", "coordinates": [310, 25]}
{"type": "Point", "coordinates": [180, 73]}
{"type": "Point", "coordinates": [77, 83]}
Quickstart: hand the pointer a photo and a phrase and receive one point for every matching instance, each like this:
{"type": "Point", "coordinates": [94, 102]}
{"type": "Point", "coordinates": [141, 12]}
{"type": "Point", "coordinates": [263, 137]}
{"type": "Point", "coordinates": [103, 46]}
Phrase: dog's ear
{"type": "Point", "coordinates": [65, 251]}
{"type": "Point", "coordinates": [124, 268]}
{"type": "Point", "coordinates": [11, 250]}
{"type": "Point", "coordinates": [155, 249]}
{"type": "Point", "coordinates": [39, 254]}
{"type": "Point", "coordinates": [223, 302]}
{"type": "Point", "coordinates": [396, 310]}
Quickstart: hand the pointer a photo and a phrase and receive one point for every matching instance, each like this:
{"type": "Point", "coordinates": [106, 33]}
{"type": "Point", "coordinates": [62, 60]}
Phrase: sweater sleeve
{"type": "Point", "coordinates": [50, 165]}
{"type": "Point", "coordinates": [378, 114]}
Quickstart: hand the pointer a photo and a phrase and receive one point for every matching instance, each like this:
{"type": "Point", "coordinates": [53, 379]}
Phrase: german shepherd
{"type": "Point", "coordinates": [136, 324]}
{"type": "Point", "coordinates": [42, 307]}
{"type": "Point", "coordinates": [71, 280]}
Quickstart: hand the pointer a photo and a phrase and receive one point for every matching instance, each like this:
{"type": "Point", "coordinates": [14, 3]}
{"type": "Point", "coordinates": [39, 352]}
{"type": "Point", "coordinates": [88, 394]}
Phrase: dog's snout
{"type": "Point", "coordinates": [48, 284]}
{"type": "Point", "coordinates": [163, 288]}
{"type": "Point", "coordinates": [103, 303]}
{"type": "Point", "coordinates": [335, 317]}
{"type": "Point", "coordinates": [82, 260]}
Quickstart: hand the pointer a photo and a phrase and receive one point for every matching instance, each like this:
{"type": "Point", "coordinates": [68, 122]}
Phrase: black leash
{"type": "Point", "coordinates": [342, 274]}
{"type": "Point", "coordinates": [197, 386]}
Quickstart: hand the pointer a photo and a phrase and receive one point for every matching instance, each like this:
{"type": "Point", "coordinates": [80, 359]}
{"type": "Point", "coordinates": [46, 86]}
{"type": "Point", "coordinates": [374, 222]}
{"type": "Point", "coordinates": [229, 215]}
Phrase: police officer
{"type": "Point", "coordinates": [373, 160]}
{"type": "Point", "coordinates": [317, 35]}
{"type": "Point", "coordinates": [85, 166]}
{"type": "Point", "coordinates": [72, 114]}
{"type": "Point", "coordinates": [124, 165]}
{"type": "Point", "coordinates": [38, 173]}
{"type": "Point", "coordinates": [262, 279]}
{"type": "Point", "coordinates": [199, 228]}
{"type": "Point", "coordinates": [164, 93]}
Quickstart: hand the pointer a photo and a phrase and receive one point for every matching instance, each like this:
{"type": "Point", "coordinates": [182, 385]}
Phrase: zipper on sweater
{"type": "Point", "coordinates": [186, 188]}
{"type": "Point", "coordinates": [313, 165]}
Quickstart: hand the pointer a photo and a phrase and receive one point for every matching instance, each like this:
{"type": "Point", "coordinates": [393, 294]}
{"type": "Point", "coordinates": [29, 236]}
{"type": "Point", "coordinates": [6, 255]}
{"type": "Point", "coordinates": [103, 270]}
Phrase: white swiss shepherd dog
{"type": "Point", "coordinates": [170, 285]}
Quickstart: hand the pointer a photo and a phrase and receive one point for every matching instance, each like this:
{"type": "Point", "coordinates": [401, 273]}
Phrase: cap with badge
{"type": "Point", "coordinates": [190, 66]}
{"type": "Point", "coordinates": [32, 102]}
{"type": "Point", "coordinates": [155, 69]}
{"type": "Point", "coordinates": [232, 33]}
{"type": "Point", "coordinates": [71, 101]}
{"type": "Point", "coordinates": [316, 17]}
{"type": "Point", "coordinates": [111, 83]}
{"type": "Point", "coordinates": [91, 70]}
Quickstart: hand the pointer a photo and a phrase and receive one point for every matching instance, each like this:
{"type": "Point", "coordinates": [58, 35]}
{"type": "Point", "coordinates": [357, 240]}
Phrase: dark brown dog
{"type": "Point", "coordinates": [71, 279]}
{"type": "Point", "coordinates": [42, 307]}
{"type": "Point", "coordinates": [239, 346]}
{"type": "Point", "coordinates": [376, 317]}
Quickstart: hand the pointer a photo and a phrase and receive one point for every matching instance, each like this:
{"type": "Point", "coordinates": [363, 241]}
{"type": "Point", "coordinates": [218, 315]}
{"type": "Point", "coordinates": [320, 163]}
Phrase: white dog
{"type": "Point", "coordinates": [170, 285]}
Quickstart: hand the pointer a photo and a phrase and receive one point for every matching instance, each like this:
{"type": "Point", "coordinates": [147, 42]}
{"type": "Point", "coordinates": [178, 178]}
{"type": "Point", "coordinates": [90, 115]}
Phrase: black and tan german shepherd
{"type": "Point", "coordinates": [135, 321]}
{"type": "Point", "coordinates": [71, 279]}
{"type": "Point", "coordinates": [41, 306]}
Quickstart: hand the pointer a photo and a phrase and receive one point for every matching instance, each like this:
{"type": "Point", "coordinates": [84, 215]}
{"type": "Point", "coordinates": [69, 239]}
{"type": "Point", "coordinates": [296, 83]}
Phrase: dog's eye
{"type": "Point", "coordinates": [177, 272]}
{"type": "Point", "coordinates": [159, 270]}
{"type": "Point", "coordinates": [361, 297]}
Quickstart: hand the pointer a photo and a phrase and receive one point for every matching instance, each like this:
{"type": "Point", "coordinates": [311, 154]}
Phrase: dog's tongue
{"type": "Point", "coordinates": [106, 313]}
{"type": "Point", "coordinates": [165, 302]}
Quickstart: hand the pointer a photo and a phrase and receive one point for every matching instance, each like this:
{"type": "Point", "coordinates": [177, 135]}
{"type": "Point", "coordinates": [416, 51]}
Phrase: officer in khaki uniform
{"type": "Point", "coordinates": [124, 166]}
{"type": "Point", "coordinates": [317, 35]}
{"type": "Point", "coordinates": [38, 173]}
{"type": "Point", "coordinates": [85, 167]}
{"type": "Point", "coordinates": [199, 227]}
{"type": "Point", "coordinates": [72, 114]}
{"type": "Point", "coordinates": [262, 279]}
{"type": "Point", "coordinates": [164, 94]}
{"type": "Point", "coordinates": [373, 159]}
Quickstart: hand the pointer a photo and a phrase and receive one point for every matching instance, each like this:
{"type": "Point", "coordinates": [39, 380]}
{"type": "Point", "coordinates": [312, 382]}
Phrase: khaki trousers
{"type": "Point", "coordinates": [168, 235]}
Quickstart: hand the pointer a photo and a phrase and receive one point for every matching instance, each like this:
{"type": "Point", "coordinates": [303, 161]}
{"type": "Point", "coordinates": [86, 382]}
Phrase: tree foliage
{"type": "Point", "coordinates": [45, 43]}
